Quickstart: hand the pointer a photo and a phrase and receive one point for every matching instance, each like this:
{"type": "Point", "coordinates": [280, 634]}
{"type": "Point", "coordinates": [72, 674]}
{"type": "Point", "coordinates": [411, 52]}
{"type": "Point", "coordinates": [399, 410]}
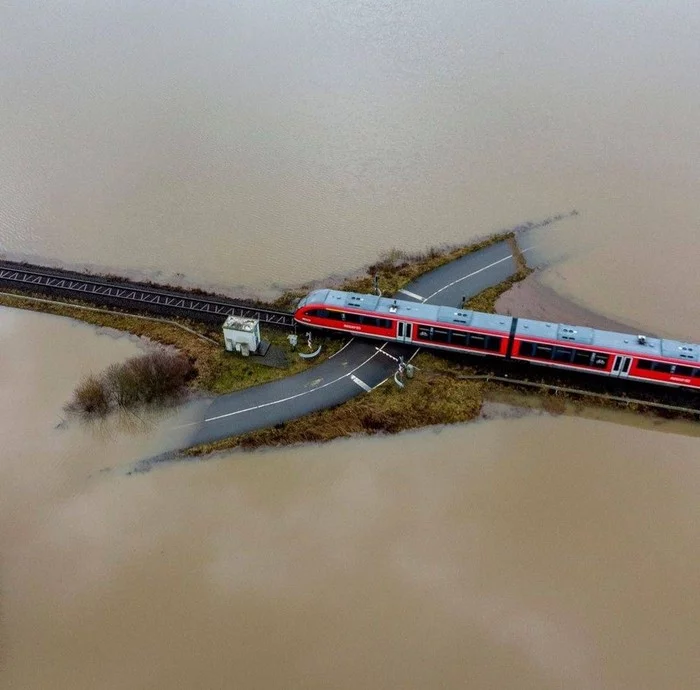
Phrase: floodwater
{"type": "Point", "coordinates": [469, 556]}
{"type": "Point", "coordinates": [252, 145]}
{"type": "Point", "coordinates": [261, 143]}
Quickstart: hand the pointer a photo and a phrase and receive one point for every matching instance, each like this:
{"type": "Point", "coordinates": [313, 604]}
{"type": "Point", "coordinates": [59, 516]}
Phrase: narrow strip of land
{"type": "Point", "coordinates": [359, 367]}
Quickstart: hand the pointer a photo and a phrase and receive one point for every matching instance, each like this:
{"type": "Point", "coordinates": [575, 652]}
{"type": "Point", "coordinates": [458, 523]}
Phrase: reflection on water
{"type": "Point", "coordinates": [535, 552]}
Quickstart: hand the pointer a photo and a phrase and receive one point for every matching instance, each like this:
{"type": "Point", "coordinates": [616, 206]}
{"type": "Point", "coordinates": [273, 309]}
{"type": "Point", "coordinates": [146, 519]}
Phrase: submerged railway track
{"type": "Point", "coordinates": [134, 296]}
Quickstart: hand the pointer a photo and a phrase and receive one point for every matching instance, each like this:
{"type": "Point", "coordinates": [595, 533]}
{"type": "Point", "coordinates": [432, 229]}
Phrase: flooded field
{"type": "Point", "coordinates": [255, 145]}
{"type": "Point", "coordinates": [441, 557]}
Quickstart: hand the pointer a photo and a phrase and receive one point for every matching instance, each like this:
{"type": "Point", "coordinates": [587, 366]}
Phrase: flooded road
{"type": "Point", "coordinates": [254, 145]}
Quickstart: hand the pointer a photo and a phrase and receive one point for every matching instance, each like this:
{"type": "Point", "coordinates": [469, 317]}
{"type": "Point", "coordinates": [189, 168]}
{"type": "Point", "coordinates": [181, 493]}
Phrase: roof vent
{"type": "Point", "coordinates": [642, 339]}
{"type": "Point", "coordinates": [394, 307]}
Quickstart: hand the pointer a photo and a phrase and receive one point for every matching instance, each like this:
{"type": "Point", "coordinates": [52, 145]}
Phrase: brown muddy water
{"type": "Point", "coordinates": [529, 552]}
{"type": "Point", "coordinates": [257, 144]}
{"type": "Point", "coordinates": [275, 142]}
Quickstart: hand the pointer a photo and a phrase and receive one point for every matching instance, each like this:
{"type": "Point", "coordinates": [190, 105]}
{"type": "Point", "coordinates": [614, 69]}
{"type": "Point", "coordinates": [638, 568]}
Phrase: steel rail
{"type": "Point", "coordinates": [130, 295]}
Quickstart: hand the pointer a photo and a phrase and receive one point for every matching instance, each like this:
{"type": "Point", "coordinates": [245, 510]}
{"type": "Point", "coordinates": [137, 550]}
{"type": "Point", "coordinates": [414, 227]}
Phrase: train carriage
{"type": "Point", "coordinates": [574, 348]}
{"type": "Point", "coordinates": [608, 353]}
{"type": "Point", "coordinates": [425, 325]}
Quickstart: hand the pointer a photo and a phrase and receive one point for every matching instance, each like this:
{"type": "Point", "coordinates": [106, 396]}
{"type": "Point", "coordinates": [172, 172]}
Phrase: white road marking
{"type": "Point", "coordinates": [412, 294]}
{"type": "Point", "coordinates": [296, 395]}
{"type": "Point", "coordinates": [342, 348]}
{"type": "Point", "coordinates": [473, 273]}
{"type": "Point", "coordinates": [360, 383]}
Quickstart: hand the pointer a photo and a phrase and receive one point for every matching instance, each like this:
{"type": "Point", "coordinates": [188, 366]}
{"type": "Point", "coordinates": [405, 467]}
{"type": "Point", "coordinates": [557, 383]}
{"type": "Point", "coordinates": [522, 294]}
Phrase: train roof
{"type": "Point", "coordinates": [638, 345]}
{"type": "Point", "coordinates": [411, 310]}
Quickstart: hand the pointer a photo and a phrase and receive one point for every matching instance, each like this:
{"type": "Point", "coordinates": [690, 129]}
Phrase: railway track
{"type": "Point", "coordinates": [134, 296]}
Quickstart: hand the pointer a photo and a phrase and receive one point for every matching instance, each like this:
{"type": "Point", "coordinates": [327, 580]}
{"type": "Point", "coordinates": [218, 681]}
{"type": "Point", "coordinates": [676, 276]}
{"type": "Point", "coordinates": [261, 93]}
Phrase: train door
{"type": "Point", "coordinates": [403, 333]}
{"type": "Point", "coordinates": [621, 366]}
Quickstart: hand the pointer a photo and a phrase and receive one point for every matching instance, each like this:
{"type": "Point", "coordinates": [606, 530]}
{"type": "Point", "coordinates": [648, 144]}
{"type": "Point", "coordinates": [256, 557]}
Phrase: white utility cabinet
{"type": "Point", "coordinates": [241, 334]}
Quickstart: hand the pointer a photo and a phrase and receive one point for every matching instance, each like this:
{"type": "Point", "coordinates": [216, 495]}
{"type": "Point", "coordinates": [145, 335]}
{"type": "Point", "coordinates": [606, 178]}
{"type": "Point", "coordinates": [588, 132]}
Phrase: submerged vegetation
{"type": "Point", "coordinates": [155, 377]}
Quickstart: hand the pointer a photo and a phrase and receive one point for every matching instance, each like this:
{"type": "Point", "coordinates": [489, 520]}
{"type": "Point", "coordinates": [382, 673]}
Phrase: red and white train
{"type": "Point", "coordinates": [576, 348]}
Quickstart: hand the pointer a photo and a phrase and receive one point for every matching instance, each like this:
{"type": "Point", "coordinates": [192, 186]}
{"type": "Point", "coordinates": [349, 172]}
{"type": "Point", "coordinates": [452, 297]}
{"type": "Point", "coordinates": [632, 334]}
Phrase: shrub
{"type": "Point", "coordinates": [154, 377]}
{"type": "Point", "coordinates": [90, 397]}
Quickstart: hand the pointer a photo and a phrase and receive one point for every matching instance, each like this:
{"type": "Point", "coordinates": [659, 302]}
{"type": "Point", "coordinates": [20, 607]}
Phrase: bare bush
{"type": "Point", "coordinates": [151, 378]}
{"type": "Point", "coordinates": [90, 397]}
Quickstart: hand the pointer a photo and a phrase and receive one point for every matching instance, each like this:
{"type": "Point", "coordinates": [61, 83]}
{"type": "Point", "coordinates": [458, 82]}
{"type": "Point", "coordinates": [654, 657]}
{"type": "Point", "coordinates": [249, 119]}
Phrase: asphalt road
{"type": "Point", "coordinates": [359, 367]}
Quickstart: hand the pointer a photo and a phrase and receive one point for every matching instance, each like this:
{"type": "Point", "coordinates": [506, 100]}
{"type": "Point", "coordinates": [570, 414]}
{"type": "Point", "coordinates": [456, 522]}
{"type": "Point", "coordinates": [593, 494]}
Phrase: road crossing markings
{"type": "Point", "coordinates": [360, 383]}
{"type": "Point", "coordinates": [411, 294]}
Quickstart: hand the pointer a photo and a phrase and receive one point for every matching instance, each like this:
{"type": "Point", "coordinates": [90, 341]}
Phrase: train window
{"type": "Point", "coordinates": [322, 313]}
{"type": "Point", "coordinates": [477, 341]}
{"type": "Point", "coordinates": [376, 322]}
{"type": "Point", "coordinates": [582, 357]}
{"type": "Point", "coordinates": [600, 360]}
{"type": "Point", "coordinates": [493, 343]}
{"type": "Point", "coordinates": [458, 338]}
{"type": "Point", "coordinates": [683, 371]}
{"type": "Point", "coordinates": [696, 373]}
{"type": "Point", "coordinates": [644, 364]}
{"type": "Point", "coordinates": [424, 332]}
{"type": "Point", "coordinates": [440, 335]}
{"type": "Point", "coordinates": [563, 354]}
{"type": "Point", "coordinates": [662, 367]}
{"type": "Point", "coordinates": [527, 349]}
{"type": "Point", "coordinates": [352, 318]}
{"type": "Point", "coordinates": [544, 351]}
{"type": "Point", "coordinates": [335, 315]}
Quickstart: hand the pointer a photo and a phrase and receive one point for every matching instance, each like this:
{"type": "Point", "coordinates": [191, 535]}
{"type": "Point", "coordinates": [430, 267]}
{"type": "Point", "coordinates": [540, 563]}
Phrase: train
{"type": "Point", "coordinates": [561, 346]}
